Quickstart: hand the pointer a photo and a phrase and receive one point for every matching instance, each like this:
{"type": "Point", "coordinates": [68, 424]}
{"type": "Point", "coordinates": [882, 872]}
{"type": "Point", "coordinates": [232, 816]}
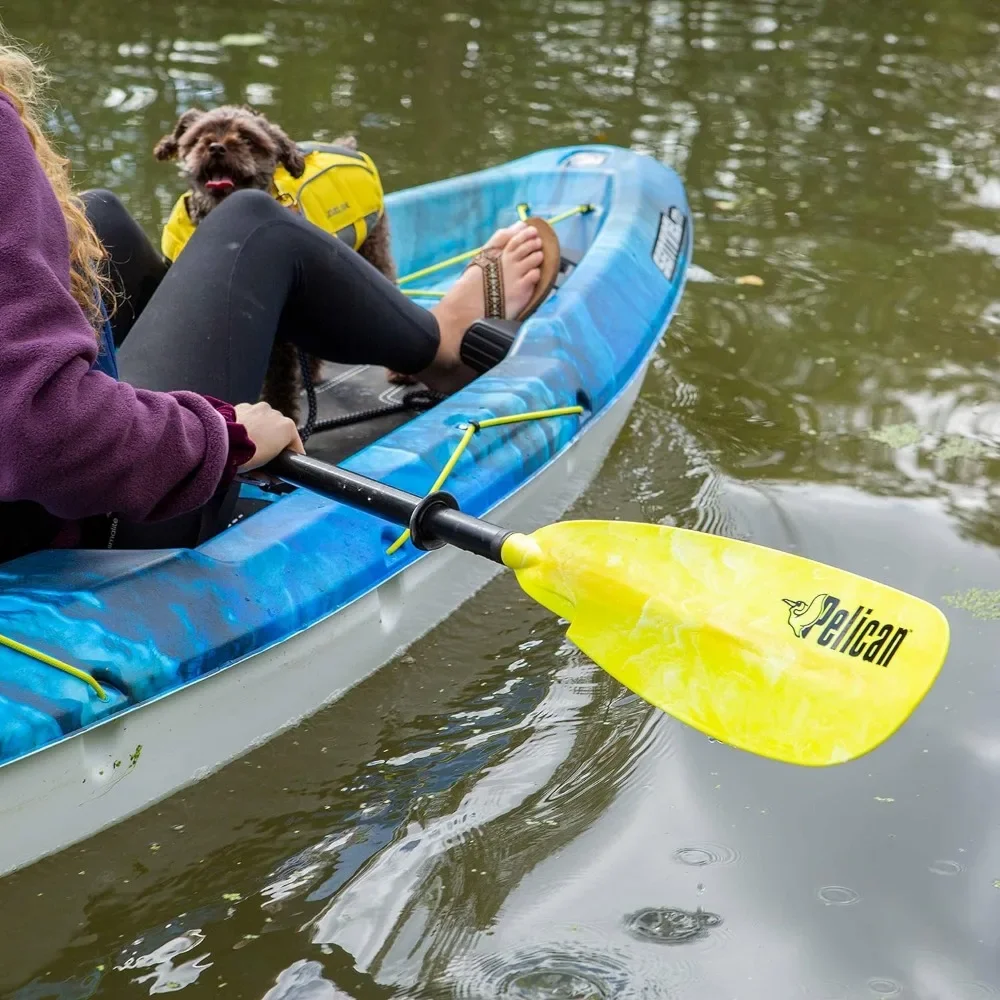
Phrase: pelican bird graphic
{"type": "Point", "coordinates": [802, 616]}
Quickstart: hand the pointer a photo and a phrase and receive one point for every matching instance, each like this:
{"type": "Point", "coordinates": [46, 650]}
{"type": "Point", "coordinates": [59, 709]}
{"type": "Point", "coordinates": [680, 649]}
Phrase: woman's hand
{"type": "Point", "coordinates": [270, 431]}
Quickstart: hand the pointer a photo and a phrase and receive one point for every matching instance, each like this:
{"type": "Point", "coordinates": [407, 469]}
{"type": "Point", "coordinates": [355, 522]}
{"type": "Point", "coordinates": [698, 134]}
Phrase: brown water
{"type": "Point", "coordinates": [490, 815]}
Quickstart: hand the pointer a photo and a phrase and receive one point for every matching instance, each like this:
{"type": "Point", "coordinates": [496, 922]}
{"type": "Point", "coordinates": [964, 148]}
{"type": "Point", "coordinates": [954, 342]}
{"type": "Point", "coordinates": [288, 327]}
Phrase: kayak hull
{"type": "Point", "coordinates": [64, 793]}
{"type": "Point", "coordinates": [205, 653]}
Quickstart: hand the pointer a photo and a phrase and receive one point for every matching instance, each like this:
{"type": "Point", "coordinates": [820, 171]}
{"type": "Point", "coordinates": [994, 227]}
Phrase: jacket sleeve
{"type": "Point", "coordinates": [71, 438]}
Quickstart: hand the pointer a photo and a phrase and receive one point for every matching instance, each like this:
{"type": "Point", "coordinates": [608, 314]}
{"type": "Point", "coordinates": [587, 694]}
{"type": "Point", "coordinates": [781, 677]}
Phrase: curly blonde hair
{"type": "Point", "coordinates": [22, 80]}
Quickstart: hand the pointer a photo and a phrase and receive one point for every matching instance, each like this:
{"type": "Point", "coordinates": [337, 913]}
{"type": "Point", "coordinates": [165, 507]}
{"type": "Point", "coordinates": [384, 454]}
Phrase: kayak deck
{"type": "Point", "coordinates": [147, 623]}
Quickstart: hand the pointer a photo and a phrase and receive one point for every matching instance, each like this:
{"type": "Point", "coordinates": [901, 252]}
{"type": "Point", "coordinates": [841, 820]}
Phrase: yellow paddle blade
{"type": "Point", "coordinates": [769, 652]}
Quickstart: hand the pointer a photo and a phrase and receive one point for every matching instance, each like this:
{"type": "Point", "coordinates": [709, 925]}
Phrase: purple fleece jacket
{"type": "Point", "coordinates": [72, 438]}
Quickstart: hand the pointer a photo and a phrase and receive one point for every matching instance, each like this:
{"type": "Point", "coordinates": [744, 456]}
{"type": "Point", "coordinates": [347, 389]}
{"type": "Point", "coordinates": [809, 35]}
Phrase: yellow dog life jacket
{"type": "Point", "coordinates": [340, 191]}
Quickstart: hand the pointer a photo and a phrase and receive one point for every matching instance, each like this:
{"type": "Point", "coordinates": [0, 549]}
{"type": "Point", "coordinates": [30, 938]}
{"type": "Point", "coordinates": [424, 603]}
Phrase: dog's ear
{"type": "Point", "coordinates": [289, 155]}
{"type": "Point", "coordinates": [166, 148]}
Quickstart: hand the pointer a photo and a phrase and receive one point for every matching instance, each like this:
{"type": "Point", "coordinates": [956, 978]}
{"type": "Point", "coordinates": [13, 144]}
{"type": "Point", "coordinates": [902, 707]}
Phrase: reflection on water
{"type": "Point", "coordinates": [543, 791]}
{"type": "Point", "coordinates": [484, 817]}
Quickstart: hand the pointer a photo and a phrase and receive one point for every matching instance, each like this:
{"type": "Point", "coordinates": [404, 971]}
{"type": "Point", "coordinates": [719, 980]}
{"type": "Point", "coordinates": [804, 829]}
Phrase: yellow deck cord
{"type": "Point", "coordinates": [37, 654]}
{"type": "Point", "coordinates": [469, 254]}
{"type": "Point", "coordinates": [471, 428]}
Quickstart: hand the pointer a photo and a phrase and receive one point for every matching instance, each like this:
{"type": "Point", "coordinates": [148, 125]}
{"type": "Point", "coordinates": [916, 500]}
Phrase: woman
{"type": "Point", "coordinates": [149, 460]}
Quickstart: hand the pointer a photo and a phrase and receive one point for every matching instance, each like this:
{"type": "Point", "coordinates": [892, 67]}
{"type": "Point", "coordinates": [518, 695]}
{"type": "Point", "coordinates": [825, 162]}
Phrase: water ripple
{"type": "Point", "coordinates": [669, 925]}
{"type": "Point", "coordinates": [838, 895]}
{"type": "Point", "coordinates": [884, 987]}
{"type": "Point", "coordinates": [707, 854]}
{"type": "Point", "coordinates": [542, 974]}
{"type": "Point", "coordinates": [944, 867]}
{"type": "Point", "coordinates": [978, 991]}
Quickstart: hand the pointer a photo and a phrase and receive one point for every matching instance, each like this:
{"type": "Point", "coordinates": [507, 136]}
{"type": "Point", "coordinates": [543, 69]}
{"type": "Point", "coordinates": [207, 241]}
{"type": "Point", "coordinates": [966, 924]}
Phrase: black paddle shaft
{"type": "Point", "coordinates": [433, 520]}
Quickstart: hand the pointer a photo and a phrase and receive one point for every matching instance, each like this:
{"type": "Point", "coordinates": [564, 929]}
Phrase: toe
{"type": "Point", "coordinates": [503, 236]}
{"type": "Point", "coordinates": [526, 248]}
{"type": "Point", "coordinates": [522, 237]}
{"type": "Point", "coordinates": [532, 277]}
{"type": "Point", "coordinates": [532, 259]}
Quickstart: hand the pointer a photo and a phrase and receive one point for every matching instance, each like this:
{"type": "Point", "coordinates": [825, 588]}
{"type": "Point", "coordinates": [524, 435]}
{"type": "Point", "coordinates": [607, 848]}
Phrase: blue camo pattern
{"type": "Point", "coordinates": [146, 623]}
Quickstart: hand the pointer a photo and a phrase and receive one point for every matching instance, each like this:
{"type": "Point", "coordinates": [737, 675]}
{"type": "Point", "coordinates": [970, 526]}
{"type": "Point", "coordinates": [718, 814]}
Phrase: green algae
{"type": "Point", "coordinates": [956, 446]}
{"type": "Point", "coordinates": [984, 604]}
{"type": "Point", "coordinates": [897, 435]}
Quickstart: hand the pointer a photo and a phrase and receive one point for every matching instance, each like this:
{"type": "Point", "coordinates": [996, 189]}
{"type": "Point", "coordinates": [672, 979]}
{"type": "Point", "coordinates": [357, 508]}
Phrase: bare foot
{"type": "Point", "coordinates": [520, 266]}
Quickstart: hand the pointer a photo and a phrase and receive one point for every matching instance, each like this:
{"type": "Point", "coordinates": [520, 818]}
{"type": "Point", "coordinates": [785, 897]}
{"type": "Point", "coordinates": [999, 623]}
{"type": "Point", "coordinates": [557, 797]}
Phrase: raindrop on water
{"type": "Point", "coordinates": [554, 986]}
{"type": "Point", "coordinates": [946, 868]}
{"type": "Point", "coordinates": [706, 854]}
{"type": "Point", "coordinates": [838, 895]}
{"type": "Point", "coordinates": [667, 925]}
{"type": "Point", "coordinates": [884, 987]}
{"type": "Point", "coordinates": [541, 974]}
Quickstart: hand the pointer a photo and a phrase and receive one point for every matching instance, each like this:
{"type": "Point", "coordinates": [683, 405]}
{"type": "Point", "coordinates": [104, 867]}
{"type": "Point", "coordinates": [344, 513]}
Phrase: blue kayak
{"type": "Point", "coordinates": [202, 654]}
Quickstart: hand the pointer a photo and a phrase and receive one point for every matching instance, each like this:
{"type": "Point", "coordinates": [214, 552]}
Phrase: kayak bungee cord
{"type": "Point", "coordinates": [37, 654]}
{"type": "Point", "coordinates": [522, 209]}
{"type": "Point", "coordinates": [470, 428]}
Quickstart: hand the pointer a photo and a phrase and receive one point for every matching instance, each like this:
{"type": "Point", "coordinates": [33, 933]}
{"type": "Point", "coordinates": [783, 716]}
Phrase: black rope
{"type": "Point", "coordinates": [419, 399]}
{"type": "Point", "coordinates": [305, 367]}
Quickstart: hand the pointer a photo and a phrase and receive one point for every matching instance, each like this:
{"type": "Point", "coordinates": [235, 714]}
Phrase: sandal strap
{"type": "Point", "coordinates": [493, 291]}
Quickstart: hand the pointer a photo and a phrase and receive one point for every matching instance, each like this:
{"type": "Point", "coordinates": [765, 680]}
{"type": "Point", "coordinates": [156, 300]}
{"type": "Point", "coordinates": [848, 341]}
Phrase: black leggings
{"type": "Point", "coordinates": [252, 272]}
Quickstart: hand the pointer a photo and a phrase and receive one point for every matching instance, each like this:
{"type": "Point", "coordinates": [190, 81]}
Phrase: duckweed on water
{"type": "Point", "coordinates": [956, 446]}
{"type": "Point", "coordinates": [897, 435]}
{"type": "Point", "coordinates": [983, 604]}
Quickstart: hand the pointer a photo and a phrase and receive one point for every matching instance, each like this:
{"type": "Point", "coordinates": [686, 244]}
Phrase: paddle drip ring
{"type": "Point", "coordinates": [419, 535]}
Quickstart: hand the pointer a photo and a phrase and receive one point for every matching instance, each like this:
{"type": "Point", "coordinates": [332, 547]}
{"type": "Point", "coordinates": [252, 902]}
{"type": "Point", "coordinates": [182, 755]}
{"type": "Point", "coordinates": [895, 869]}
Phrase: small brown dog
{"type": "Point", "coordinates": [236, 148]}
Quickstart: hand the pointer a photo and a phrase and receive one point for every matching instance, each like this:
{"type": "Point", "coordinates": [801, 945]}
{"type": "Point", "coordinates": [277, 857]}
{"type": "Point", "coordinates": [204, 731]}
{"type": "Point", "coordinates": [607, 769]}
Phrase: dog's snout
{"type": "Point", "coordinates": [217, 149]}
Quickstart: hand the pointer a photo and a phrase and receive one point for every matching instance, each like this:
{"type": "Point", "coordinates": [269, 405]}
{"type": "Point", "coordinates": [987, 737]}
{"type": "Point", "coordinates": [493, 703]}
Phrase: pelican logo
{"type": "Point", "coordinates": [669, 241]}
{"type": "Point", "coordinates": [841, 631]}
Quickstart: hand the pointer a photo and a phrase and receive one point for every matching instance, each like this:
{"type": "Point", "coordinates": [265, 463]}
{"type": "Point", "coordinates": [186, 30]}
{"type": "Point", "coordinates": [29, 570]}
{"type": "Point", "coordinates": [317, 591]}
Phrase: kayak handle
{"type": "Point", "coordinates": [433, 520]}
